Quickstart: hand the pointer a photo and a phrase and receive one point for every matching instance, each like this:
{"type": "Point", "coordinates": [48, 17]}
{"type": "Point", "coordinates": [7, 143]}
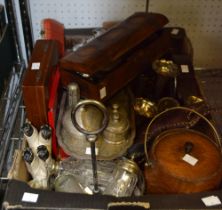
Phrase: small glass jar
{"type": "Point", "coordinates": [124, 179]}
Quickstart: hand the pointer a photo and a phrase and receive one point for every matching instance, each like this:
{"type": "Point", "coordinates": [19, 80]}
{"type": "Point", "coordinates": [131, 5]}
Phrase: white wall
{"type": "Point", "coordinates": [82, 13]}
{"type": "Point", "coordinates": [202, 19]}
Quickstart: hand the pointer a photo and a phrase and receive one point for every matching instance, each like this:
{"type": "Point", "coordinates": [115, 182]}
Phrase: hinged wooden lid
{"type": "Point", "coordinates": [187, 155]}
{"type": "Point", "coordinates": [104, 51]}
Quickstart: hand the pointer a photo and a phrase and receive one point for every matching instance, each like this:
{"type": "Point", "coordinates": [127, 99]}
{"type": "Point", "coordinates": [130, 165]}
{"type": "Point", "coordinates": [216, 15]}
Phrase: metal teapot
{"type": "Point", "coordinates": [112, 142]}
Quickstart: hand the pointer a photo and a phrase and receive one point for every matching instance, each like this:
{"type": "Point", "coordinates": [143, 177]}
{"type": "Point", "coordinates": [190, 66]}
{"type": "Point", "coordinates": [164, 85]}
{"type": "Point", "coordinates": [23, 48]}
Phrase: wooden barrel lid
{"type": "Point", "coordinates": [187, 155]}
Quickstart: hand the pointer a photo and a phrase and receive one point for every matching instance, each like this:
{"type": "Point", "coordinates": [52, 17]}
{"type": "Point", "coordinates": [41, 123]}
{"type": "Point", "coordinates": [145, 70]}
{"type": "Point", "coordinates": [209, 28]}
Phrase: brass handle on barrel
{"type": "Point", "coordinates": [217, 137]}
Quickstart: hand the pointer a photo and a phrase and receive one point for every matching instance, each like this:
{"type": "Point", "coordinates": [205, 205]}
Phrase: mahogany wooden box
{"type": "Point", "coordinates": [109, 62]}
{"type": "Point", "coordinates": [105, 50]}
{"type": "Point", "coordinates": [105, 85]}
{"type": "Point", "coordinates": [36, 83]}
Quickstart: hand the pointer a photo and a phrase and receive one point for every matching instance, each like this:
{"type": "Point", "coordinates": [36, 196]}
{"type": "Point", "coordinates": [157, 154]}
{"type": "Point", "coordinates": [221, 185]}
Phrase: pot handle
{"type": "Point", "coordinates": [188, 147]}
{"type": "Point", "coordinates": [147, 133]}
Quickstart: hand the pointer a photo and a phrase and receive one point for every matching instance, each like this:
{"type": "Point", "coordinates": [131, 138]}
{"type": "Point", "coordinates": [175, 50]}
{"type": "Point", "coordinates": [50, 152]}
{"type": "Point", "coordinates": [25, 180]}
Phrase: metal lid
{"type": "Point", "coordinates": [129, 166]}
{"type": "Point", "coordinates": [28, 155]}
{"type": "Point", "coordinates": [28, 129]}
{"type": "Point", "coordinates": [43, 152]}
{"type": "Point", "coordinates": [117, 131]}
{"type": "Point", "coordinates": [117, 122]}
{"type": "Point", "coordinates": [46, 131]}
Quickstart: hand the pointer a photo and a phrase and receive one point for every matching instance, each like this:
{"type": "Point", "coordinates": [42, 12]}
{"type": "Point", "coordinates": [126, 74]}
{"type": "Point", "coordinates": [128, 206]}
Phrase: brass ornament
{"type": "Point", "coordinates": [145, 107]}
{"type": "Point", "coordinates": [165, 68]}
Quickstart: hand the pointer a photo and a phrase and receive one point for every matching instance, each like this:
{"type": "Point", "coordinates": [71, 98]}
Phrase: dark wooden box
{"type": "Point", "coordinates": [105, 50]}
{"type": "Point", "coordinates": [107, 84]}
{"type": "Point", "coordinates": [36, 84]}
